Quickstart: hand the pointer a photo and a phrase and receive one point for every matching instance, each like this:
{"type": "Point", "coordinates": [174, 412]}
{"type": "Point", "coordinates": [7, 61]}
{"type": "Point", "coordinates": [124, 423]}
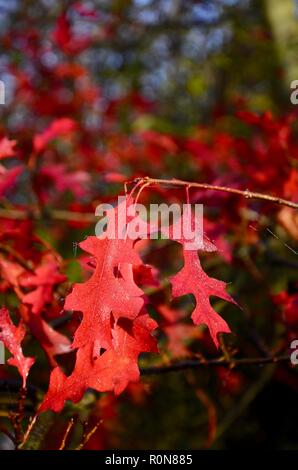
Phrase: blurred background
{"type": "Point", "coordinates": [197, 90]}
{"type": "Point", "coordinates": [190, 57]}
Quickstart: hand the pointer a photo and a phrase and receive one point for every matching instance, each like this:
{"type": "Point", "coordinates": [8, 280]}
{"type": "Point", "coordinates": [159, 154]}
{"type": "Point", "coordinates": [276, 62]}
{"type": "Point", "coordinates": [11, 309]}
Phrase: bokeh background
{"type": "Point", "coordinates": [197, 90]}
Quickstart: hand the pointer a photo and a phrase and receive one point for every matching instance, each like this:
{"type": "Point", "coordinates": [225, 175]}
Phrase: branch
{"type": "Point", "coordinates": [69, 427]}
{"type": "Point", "coordinates": [9, 385]}
{"type": "Point", "coordinates": [195, 364]}
{"type": "Point", "coordinates": [85, 217]}
{"type": "Point", "coordinates": [88, 434]}
{"type": "Point", "coordinates": [191, 184]}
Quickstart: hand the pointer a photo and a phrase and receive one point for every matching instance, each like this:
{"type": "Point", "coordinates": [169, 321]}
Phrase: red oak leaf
{"type": "Point", "coordinates": [115, 327]}
{"type": "Point", "coordinates": [111, 288]}
{"type": "Point", "coordinates": [112, 371]}
{"type": "Point", "coordinates": [105, 292]}
{"type": "Point", "coordinates": [12, 336]}
{"type": "Point", "coordinates": [193, 280]}
{"type": "Point", "coordinates": [45, 278]}
{"type": "Point", "coordinates": [188, 230]}
{"type": "Point", "coordinates": [51, 341]}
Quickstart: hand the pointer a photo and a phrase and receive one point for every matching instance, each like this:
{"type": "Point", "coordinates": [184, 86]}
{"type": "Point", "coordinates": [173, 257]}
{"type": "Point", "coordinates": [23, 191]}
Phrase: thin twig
{"type": "Point", "coordinates": [225, 350]}
{"type": "Point", "coordinates": [244, 193]}
{"type": "Point", "coordinates": [28, 430]}
{"type": "Point", "coordinates": [20, 415]}
{"type": "Point", "coordinates": [66, 434]}
{"type": "Point", "coordinates": [195, 364]}
{"type": "Point", "coordinates": [88, 435]}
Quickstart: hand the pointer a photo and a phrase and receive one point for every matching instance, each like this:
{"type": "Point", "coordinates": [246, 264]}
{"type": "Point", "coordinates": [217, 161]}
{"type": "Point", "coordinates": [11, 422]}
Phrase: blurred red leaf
{"type": "Point", "coordinates": [12, 337]}
{"type": "Point", "coordinates": [59, 127]}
